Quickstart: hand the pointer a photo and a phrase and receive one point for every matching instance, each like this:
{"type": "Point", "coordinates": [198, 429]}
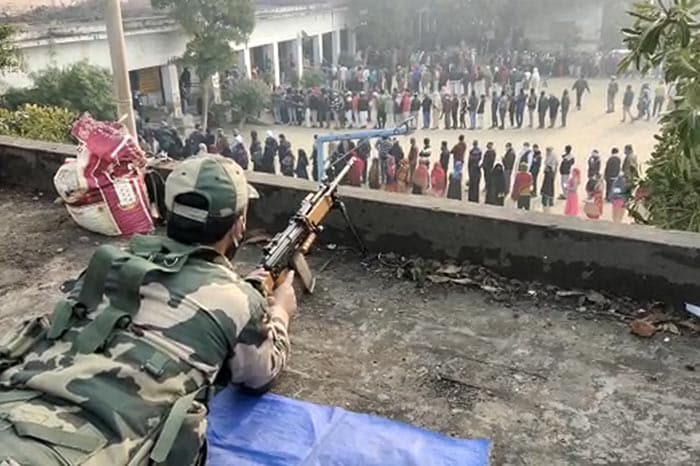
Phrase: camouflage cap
{"type": "Point", "coordinates": [219, 180]}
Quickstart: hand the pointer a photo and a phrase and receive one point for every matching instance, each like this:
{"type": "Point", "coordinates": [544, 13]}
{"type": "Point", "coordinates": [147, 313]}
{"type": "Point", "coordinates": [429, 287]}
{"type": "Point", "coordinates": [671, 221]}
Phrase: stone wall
{"type": "Point", "coordinates": [643, 262]}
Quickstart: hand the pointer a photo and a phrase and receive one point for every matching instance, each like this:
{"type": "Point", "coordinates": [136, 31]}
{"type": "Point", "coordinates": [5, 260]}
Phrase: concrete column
{"type": "Point", "coordinates": [120, 69]}
{"type": "Point", "coordinates": [352, 41]}
{"type": "Point", "coordinates": [276, 63]}
{"type": "Point", "coordinates": [299, 56]}
{"type": "Point", "coordinates": [247, 63]}
{"type": "Point", "coordinates": [318, 50]}
{"type": "Point", "coordinates": [335, 45]}
{"type": "Point", "coordinates": [171, 88]}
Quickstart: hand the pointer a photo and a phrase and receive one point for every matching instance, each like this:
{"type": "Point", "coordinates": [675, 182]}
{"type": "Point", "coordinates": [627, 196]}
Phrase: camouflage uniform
{"type": "Point", "coordinates": [123, 370]}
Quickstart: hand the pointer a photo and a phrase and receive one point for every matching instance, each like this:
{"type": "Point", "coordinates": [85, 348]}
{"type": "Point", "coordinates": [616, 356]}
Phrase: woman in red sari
{"type": "Point", "coordinates": [437, 181]}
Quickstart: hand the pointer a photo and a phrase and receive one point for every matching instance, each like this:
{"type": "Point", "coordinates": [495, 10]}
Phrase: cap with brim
{"type": "Point", "coordinates": [220, 181]}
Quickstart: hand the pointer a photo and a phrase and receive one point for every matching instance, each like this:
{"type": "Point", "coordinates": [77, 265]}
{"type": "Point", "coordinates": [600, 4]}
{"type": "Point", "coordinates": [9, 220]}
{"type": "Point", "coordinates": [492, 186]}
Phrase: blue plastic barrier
{"type": "Point", "coordinates": [273, 431]}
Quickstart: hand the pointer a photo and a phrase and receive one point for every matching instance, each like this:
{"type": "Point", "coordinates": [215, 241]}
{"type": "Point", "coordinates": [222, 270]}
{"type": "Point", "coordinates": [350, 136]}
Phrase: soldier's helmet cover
{"type": "Point", "coordinates": [218, 180]}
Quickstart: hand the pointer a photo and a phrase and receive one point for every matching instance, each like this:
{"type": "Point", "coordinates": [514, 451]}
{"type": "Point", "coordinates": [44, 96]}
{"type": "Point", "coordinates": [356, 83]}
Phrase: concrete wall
{"type": "Point", "coordinates": [626, 259]}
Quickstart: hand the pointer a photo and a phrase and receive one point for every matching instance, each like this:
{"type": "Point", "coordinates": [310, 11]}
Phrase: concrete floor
{"type": "Point", "coordinates": [547, 386]}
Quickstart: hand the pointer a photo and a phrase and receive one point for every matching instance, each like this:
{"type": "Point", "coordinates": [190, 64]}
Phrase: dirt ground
{"type": "Point", "coordinates": [547, 384]}
{"type": "Point", "coordinates": [588, 129]}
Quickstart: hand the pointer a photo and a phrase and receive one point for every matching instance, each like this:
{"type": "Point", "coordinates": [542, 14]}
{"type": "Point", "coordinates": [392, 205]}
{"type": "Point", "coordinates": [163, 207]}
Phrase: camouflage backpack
{"type": "Point", "coordinates": [90, 388]}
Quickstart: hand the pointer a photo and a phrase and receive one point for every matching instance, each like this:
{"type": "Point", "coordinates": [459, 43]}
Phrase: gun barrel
{"type": "Point", "coordinates": [336, 181]}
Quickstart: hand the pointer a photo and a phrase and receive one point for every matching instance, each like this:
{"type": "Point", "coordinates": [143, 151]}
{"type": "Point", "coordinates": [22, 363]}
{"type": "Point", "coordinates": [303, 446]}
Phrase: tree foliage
{"type": "Point", "coordinates": [669, 36]}
{"type": "Point", "coordinates": [213, 26]}
{"type": "Point", "coordinates": [248, 98]}
{"type": "Point", "coordinates": [81, 87]}
{"type": "Point", "coordinates": [9, 56]}
{"type": "Point", "coordinates": [36, 122]}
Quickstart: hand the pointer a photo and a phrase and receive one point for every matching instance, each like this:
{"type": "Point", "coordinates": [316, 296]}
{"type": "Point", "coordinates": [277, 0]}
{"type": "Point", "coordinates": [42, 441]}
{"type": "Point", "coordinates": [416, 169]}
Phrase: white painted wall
{"type": "Point", "coordinates": [158, 45]}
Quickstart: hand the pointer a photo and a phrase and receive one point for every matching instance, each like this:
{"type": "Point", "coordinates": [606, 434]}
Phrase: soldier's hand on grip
{"type": "Point", "coordinates": [284, 295]}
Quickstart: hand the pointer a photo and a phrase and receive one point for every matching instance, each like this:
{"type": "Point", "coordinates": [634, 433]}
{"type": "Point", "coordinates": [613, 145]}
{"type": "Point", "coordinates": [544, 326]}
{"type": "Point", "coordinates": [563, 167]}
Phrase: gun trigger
{"type": "Point", "coordinates": [303, 271]}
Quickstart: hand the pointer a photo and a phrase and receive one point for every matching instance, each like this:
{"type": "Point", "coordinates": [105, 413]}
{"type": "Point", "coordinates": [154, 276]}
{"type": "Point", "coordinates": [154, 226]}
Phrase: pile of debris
{"type": "Point", "coordinates": [644, 319]}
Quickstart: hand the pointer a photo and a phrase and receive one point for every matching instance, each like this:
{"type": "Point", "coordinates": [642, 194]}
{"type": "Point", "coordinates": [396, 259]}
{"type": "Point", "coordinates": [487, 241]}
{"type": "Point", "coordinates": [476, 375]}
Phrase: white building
{"type": "Point", "coordinates": [285, 38]}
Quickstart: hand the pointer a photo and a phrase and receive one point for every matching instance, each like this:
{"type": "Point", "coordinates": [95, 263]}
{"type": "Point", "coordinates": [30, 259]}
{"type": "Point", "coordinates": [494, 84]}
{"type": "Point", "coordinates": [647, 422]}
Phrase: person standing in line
{"type": "Point", "coordinates": [659, 97]}
{"type": "Point", "coordinates": [480, 112]}
{"type": "Point", "coordinates": [373, 177]}
{"type": "Point", "coordinates": [630, 167]}
{"type": "Point", "coordinates": [421, 179]}
{"type": "Point", "coordinates": [389, 109]}
{"type": "Point", "coordinates": [463, 112]}
{"type": "Point", "coordinates": [454, 189]}
{"type": "Point", "coordinates": [531, 106]}
{"type": "Point", "coordinates": [511, 109]}
{"type": "Point", "coordinates": [415, 109]}
{"type": "Point", "coordinates": [256, 151]}
{"type": "Point", "coordinates": [580, 86]}
{"type": "Point", "coordinates": [553, 110]}
{"type": "Point", "coordinates": [535, 167]}
{"type": "Point", "coordinates": [520, 103]}
{"type": "Point", "coordinates": [502, 109]}
{"type": "Point", "coordinates": [455, 110]}
{"type": "Point", "coordinates": [488, 163]}
{"type": "Point", "coordinates": [496, 191]}
{"type": "Point", "coordinates": [494, 110]}
{"type": "Point", "coordinates": [619, 198]}
{"type": "Point", "coordinates": [412, 159]}
{"type": "Point", "coordinates": [473, 107]}
{"type": "Point", "coordinates": [542, 109]}
{"type": "Point", "coordinates": [426, 107]}
{"type": "Point", "coordinates": [447, 110]}
{"type": "Point", "coordinates": [508, 164]}
{"type": "Point", "coordinates": [437, 179]}
{"type": "Point", "coordinates": [572, 184]}
{"type": "Point", "coordinates": [459, 150]}
{"type": "Point", "coordinates": [522, 187]}
{"type": "Point", "coordinates": [613, 89]}
{"type": "Point", "coordinates": [593, 205]}
{"type": "Point", "coordinates": [363, 109]}
{"type": "Point", "coordinates": [425, 154]}
{"type": "Point", "coordinates": [567, 162]}
{"type": "Point", "coordinates": [445, 157]}
{"type": "Point", "coordinates": [381, 109]}
{"type": "Point", "coordinates": [627, 101]}
{"type": "Point", "coordinates": [301, 170]}
{"type": "Point", "coordinates": [474, 169]}
{"type": "Point", "coordinates": [594, 164]}
{"type": "Point", "coordinates": [547, 190]}
{"type": "Point", "coordinates": [437, 109]}
{"type": "Point", "coordinates": [612, 171]}
{"type": "Point", "coordinates": [565, 105]}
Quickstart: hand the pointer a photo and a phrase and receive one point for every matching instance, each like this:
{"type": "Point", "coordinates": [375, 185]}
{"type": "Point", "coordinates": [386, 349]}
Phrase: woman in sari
{"type": "Point", "coordinates": [572, 184]}
{"type": "Point", "coordinates": [593, 207]}
{"type": "Point", "coordinates": [437, 180]}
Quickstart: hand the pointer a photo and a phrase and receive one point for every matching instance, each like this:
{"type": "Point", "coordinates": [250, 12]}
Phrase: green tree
{"type": "Point", "coordinates": [213, 26]}
{"type": "Point", "coordinates": [9, 56]}
{"type": "Point", "coordinates": [668, 35]}
{"type": "Point", "coordinates": [81, 88]}
{"type": "Point", "coordinates": [248, 98]}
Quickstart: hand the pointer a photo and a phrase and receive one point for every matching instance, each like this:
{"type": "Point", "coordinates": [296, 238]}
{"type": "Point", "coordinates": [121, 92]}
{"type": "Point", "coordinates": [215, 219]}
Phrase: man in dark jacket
{"type": "Point", "coordinates": [508, 164]}
{"type": "Point", "coordinates": [494, 110]}
{"type": "Point", "coordinates": [542, 109]}
{"type": "Point", "coordinates": [612, 171]}
{"type": "Point", "coordinates": [474, 170]}
{"type": "Point", "coordinates": [553, 110]}
{"type": "Point", "coordinates": [487, 163]}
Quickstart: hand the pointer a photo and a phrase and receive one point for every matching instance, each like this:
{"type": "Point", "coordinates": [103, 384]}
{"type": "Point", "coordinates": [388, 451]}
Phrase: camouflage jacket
{"type": "Point", "coordinates": [100, 386]}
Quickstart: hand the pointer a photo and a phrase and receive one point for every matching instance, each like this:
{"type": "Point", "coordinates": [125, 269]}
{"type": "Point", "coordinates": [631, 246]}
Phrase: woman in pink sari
{"type": "Point", "coordinates": [572, 185]}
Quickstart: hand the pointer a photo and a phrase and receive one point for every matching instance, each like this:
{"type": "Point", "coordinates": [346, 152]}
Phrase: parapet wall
{"type": "Point", "coordinates": [624, 259]}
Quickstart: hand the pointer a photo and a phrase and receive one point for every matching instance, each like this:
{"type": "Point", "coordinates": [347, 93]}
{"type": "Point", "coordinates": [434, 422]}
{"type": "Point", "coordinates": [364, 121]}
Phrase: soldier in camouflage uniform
{"type": "Point", "coordinates": [122, 371]}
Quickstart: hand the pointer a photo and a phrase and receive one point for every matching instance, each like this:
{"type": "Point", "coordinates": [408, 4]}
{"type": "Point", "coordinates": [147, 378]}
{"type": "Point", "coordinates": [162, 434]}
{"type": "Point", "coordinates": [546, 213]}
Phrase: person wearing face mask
{"type": "Point", "coordinates": [123, 360]}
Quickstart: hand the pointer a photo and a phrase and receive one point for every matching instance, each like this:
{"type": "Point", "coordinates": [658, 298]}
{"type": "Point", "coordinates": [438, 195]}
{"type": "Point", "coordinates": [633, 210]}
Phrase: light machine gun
{"type": "Point", "coordinates": [287, 249]}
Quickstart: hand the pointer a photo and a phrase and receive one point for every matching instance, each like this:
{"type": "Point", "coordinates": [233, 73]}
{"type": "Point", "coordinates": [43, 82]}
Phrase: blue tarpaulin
{"type": "Point", "coordinates": [273, 431]}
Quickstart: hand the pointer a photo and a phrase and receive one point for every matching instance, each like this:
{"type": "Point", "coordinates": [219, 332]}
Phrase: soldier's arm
{"type": "Point", "coordinates": [262, 348]}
